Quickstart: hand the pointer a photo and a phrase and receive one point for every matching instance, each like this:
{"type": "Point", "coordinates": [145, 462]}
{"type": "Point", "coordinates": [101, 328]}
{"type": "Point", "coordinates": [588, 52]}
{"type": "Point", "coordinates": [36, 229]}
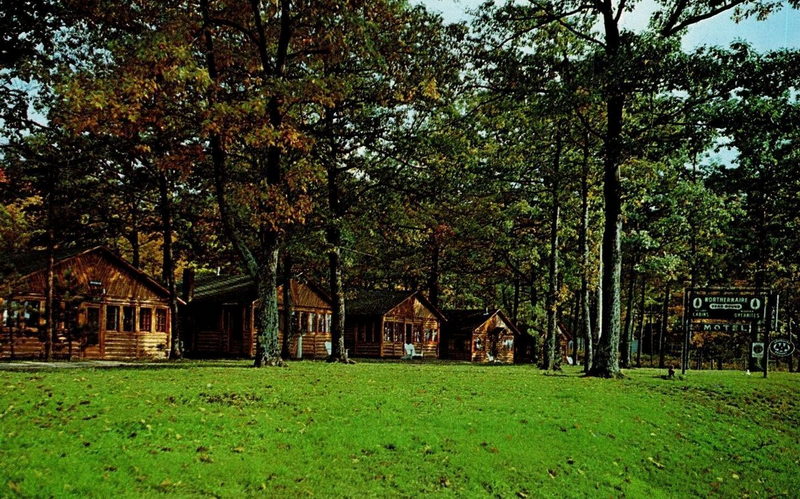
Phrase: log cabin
{"type": "Point", "coordinates": [105, 308]}
{"type": "Point", "coordinates": [380, 323]}
{"type": "Point", "coordinates": [219, 319]}
{"type": "Point", "coordinates": [479, 336]}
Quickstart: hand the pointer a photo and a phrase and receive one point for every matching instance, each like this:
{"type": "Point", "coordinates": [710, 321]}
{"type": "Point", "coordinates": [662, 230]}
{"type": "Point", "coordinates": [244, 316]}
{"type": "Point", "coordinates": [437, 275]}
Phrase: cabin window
{"type": "Point", "coordinates": [362, 333]}
{"type": "Point", "coordinates": [479, 343]}
{"type": "Point", "coordinates": [312, 322]}
{"type": "Point", "coordinates": [328, 321]}
{"type": "Point", "coordinates": [398, 332]}
{"type": "Point", "coordinates": [22, 313]}
{"type": "Point", "coordinates": [146, 319]}
{"type": "Point", "coordinates": [508, 344]}
{"type": "Point", "coordinates": [388, 331]}
{"type": "Point", "coordinates": [417, 333]}
{"type": "Point", "coordinates": [431, 335]}
{"type": "Point", "coordinates": [128, 314]}
{"type": "Point", "coordinates": [11, 313]}
{"type": "Point", "coordinates": [31, 313]}
{"type": "Point", "coordinates": [303, 322]}
{"type": "Point", "coordinates": [161, 320]}
{"type": "Point", "coordinates": [319, 325]}
{"type": "Point", "coordinates": [112, 318]}
{"type": "Point", "coordinates": [92, 326]}
{"type": "Point", "coordinates": [295, 322]}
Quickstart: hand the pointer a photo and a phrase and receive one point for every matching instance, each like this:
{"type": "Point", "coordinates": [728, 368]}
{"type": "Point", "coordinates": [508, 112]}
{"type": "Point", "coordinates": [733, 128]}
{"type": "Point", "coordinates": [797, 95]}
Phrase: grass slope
{"type": "Point", "coordinates": [224, 429]}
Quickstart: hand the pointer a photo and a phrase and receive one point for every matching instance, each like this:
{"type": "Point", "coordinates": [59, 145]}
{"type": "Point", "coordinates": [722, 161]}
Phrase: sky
{"type": "Point", "coordinates": [780, 30]}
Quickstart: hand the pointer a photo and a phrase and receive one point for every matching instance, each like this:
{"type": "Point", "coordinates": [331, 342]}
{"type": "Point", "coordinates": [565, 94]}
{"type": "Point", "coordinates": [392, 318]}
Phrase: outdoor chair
{"type": "Point", "coordinates": [410, 352]}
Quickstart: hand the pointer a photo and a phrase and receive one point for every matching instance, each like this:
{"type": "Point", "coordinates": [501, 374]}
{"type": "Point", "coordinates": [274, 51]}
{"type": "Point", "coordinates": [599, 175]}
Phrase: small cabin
{"type": "Point", "coordinates": [104, 308]}
{"type": "Point", "coordinates": [479, 336]}
{"type": "Point", "coordinates": [564, 348]}
{"type": "Point", "coordinates": [220, 318]}
{"type": "Point", "coordinates": [380, 324]}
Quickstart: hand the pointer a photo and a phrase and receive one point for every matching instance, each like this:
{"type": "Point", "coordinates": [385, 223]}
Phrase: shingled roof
{"type": "Point", "coordinates": [210, 286]}
{"type": "Point", "coordinates": [376, 302]}
{"type": "Point", "coordinates": [381, 301]}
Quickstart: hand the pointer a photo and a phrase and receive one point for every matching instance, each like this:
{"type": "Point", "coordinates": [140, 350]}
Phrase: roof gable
{"type": "Point", "coordinates": [75, 273]}
{"type": "Point", "coordinates": [471, 319]}
{"type": "Point", "coordinates": [384, 302]}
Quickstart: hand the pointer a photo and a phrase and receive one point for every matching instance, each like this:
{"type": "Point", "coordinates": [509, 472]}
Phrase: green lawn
{"type": "Point", "coordinates": [225, 429]}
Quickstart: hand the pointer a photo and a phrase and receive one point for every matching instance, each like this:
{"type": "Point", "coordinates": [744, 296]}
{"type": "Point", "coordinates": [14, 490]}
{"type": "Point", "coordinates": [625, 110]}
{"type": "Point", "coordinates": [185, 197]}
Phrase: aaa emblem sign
{"type": "Point", "coordinates": [781, 347]}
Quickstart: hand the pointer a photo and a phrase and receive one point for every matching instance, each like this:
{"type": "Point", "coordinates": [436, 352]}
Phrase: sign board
{"type": "Point", "coordinates": [720, 327]}
{"type": "Point", "coordinates": [728, 306]}
{"type": "Point", "coordinates": [781, 347]}
{"type": "Point", "coordinates": [757, 350]}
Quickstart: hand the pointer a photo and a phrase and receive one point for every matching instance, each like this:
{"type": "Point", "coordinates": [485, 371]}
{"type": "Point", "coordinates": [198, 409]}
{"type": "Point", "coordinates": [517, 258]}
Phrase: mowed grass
{"type": "Point", "coordinates": [225, 429]}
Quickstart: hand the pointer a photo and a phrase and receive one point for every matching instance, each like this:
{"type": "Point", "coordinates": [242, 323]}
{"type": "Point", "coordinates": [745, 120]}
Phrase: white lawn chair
{"type": "Point", "coordinates": [410, 351]}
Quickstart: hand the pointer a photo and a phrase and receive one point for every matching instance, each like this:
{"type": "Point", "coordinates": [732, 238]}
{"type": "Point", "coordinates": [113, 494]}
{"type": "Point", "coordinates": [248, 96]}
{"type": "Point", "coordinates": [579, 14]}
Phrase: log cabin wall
{"type": "Point", "coordinates": [479, 336]}
{"type": "Point", "coordinates": [105, 309]}
{"type": "Point", "coordinates": [407, 320]}
{"type": "Point", "coordinates": [223, 322]}
{"type": "Point", "coordinates": [363, 335]}
{"type": "Point", "coordinates": [494, 338]}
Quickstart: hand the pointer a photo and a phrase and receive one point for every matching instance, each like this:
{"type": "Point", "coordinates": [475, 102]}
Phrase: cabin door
{"type": "Point", "coordinates": [409, 332]}
{"type": "Point", "coordinates": [92, 341]}
{"type": "Point", "coordinates": [232, 326]}
{"type": "Point", "coordinates": [494, 341]}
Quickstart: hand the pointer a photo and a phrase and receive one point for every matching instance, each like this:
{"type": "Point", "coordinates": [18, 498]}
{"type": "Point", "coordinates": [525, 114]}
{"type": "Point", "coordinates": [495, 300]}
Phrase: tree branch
{"type": "Point", "coordinates": [672, 25]}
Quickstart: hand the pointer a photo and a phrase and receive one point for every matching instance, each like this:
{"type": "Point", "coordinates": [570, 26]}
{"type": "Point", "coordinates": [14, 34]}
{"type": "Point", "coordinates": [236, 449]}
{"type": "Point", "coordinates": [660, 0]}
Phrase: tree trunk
{"type": "Point", "coordinates": [267, 348]}
{"type": "Point", "coordinates": [650, 338]}
{"type": "Point", "coordinates": [515, 304]}
{"type": "Point", "coordinates": [625, 343]}
{"type": "Point", "coordinates": [551, 346]}
{"type": "Point", "coordinates": [433, 277]}
{"type": "Point", "coordinates": [261, 260]}
{"type": "Point", "coordinates": [597, 326]}
{"type": "Point", "coordinates": [49, 303]}
{"type": "Point", "coordinates": [168, 264]}
{"type": "Point", "coordinates": [534, 295]}
{"type": "Point", "coordinates": [288, 306]}
{"type": "Point", "coordinates": [662, 332]}
{"type": "Point", "coordinates": [133, 239]}
{"type": "Point", "coordinates": [640, 327]}
{"type": "Point", "coordinates": [606, 362]}
{"type": "Point", "coordinates": [576, 312]}
{"type": "Point", "coordinates": [586, 316]}
{"type": "Point", "coordinates": [338, 351]}
{"type": "Point", "coordinates": [334, 239]}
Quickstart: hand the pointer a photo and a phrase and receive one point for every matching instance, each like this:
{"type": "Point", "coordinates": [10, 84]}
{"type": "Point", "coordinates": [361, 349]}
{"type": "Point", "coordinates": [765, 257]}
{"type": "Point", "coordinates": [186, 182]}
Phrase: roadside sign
{"type": "Point", "coordinates": [720, 327]}
{"type": "Point", "coordinates": [748, 311]}
{"type": "Point", "coordinates": [781, 347]}
{"type": "Point", "coordinates": [728, 307]}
